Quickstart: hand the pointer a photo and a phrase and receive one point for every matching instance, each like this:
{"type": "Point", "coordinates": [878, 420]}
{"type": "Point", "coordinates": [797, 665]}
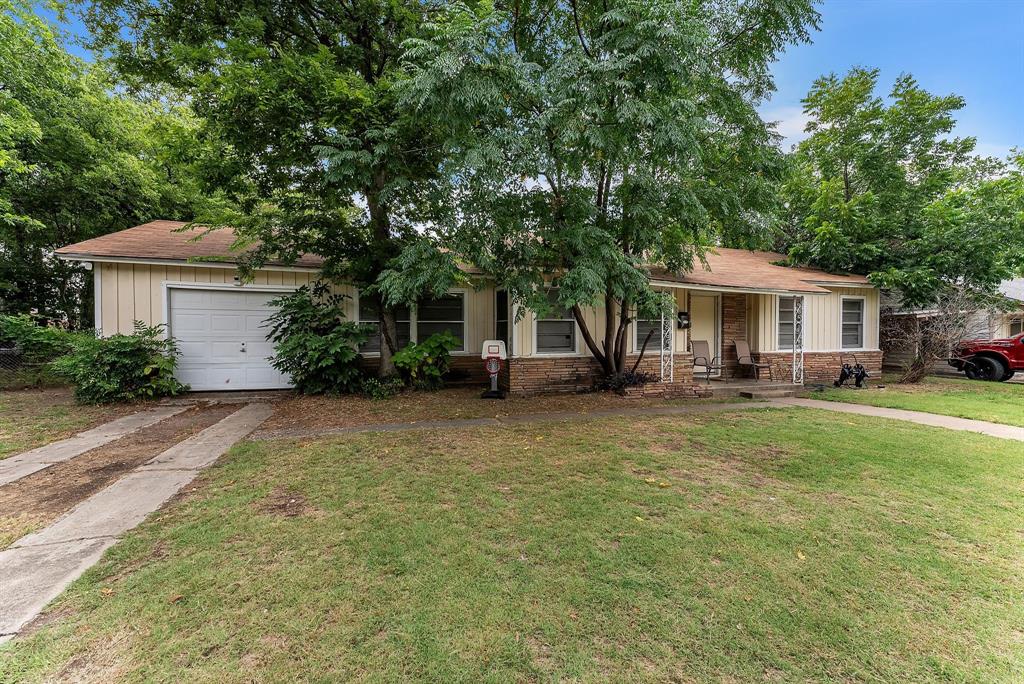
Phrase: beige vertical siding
{"type": "Point", "coordinates": [523, 330]}
{"type": "Point", "coordinates": [135, 292]}
{"type": "Point", "coordinates": [821, 319]}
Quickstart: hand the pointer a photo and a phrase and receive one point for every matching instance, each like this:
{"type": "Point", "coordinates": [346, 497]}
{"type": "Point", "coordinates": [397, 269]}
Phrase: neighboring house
{"type": "Point", "coordinates": [982, 325]}
{"type": "Point", "coordinates": [150, 273]}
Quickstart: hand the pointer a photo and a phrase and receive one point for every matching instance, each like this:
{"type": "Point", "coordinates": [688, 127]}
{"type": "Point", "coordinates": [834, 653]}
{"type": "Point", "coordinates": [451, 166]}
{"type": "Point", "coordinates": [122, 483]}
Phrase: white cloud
{"type": "Point", "coordinates": [789, 123]}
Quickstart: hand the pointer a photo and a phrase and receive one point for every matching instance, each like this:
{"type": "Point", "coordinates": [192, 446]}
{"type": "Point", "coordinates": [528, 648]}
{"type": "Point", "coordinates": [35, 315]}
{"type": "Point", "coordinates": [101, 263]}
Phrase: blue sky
{"type": "Point", "coordinates": [974, 48]}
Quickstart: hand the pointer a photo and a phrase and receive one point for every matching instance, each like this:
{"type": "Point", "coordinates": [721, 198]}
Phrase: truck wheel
{"type": "Point", "coordinates": [988, 369]}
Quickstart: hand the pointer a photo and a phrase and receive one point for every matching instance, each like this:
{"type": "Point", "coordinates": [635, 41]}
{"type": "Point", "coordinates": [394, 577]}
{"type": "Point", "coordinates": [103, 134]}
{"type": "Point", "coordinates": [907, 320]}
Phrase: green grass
{"type": "Point", "coordinates": [996, 402]}
{"type": "Point", "coordinates": [782, 545]}
{"type": "Point", "coordinates": [31, 418]}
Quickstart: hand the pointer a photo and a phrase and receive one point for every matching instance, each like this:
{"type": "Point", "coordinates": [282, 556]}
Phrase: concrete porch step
{"type": "Point", "coordinates": [768, 393]}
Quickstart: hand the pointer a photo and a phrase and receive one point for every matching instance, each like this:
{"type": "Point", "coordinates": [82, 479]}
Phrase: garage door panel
{"type": "Point", "coordinates": [223, 322]}
{"type": "Point", "coordinates": [183, 322]}
{"type": "Point", "coordinates": [211, 327]}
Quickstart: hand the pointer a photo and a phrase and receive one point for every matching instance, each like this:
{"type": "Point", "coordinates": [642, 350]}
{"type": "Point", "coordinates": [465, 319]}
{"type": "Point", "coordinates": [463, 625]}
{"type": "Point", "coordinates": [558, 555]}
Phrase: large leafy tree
{"type": "Point", "coordinates": [76, 161]}
{"type": "Point", "coordinates": [882, 187]}
{"type": "Point", "coordinates": [306, 93]}
{"type": "Point", "coordinates": [591, 139]}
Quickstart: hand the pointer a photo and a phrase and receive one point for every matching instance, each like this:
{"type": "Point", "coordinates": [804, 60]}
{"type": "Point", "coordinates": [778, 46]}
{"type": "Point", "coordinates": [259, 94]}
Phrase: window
{"type": "Point", "coordinates": [557, 332]}
{"type": "Point", "coordinates": [642, 327]}
{"type": "Point", "coordinates": [787, 322]}
{"type": "Point", "coordinates": [853, 323]}
{"type": "Point", "coordinates": [501, 317]}
{"type": "Point", "coordinates": [444, 313]}
{"type": "Point", "coordinates": [1016, 326]}
{"type": "Point", "coordinates": [368, 316]}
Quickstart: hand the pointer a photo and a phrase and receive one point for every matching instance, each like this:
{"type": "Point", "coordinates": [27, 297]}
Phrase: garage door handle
{"type": "Point", "coordinates": [243, 348]}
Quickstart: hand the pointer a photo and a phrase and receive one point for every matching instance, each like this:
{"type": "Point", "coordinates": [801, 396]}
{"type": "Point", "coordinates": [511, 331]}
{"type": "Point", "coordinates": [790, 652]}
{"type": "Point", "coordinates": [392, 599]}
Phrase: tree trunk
{"type": "Point", "coordinates": [388, 342]}
{"type": "Point", "coordinates": [380, 224]}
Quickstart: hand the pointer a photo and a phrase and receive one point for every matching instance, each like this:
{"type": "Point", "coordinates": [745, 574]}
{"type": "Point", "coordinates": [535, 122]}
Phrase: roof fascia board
{"type": "Point", "coordinates": [178, 262]}
{"type": "Point", "coordinates": [738, 290]}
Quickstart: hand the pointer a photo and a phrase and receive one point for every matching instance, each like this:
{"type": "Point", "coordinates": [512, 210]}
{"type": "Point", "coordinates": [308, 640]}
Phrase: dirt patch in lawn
{"type": "Point", "coordinates": [40, 498]}
{"type": "Point", "coordinates": [317, 413]}
{"type": "Point", "coordinates": [285, 503]}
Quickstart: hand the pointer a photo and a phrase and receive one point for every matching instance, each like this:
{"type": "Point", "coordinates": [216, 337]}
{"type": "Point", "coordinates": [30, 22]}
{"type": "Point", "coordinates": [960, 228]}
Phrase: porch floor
{"type": "Point", "coordinates": [734, 386]}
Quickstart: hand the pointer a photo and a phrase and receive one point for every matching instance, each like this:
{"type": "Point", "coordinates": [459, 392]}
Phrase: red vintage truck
{"type": "Point", "coordinates": [995, 360]}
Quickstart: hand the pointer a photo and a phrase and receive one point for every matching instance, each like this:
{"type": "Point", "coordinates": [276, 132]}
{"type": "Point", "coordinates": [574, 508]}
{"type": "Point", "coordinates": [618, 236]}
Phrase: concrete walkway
{"type": "Point", "coordinates": [553, 416]}
{"type": "Point", "coordinates": [919, 417]}
{"type": "Point", "coordinates": [39, 566]}
{"type": "Point", "coordinates": [20, 465]}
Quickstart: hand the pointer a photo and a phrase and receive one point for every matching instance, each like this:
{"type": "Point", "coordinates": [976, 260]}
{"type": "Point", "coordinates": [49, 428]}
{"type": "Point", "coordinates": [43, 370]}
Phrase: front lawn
{"type": "Point", "coordinates": [997, 402]}
{"type": "Point", "coordinates": [298, 412]}
{"type": "Point", "coordinates": [31, 418]}
{"type": "Point", "coordinates": [778, 545]}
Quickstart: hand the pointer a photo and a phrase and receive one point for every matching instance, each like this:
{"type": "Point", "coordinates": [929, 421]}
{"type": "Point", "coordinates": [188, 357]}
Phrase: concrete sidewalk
{"type": "Point", "coordinates": [39, 566]}
{"type": "Point", "coordinates": [18, 466]}
{"type": "Point", "coordinates": [919, 417]}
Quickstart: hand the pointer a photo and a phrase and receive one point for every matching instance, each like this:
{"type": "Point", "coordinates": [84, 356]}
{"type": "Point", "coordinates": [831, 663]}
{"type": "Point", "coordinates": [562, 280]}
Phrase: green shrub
{"type": "Point", "coordinates": [423, 365]}
{"type": "Point", "coordinates": [27, 346]}
{"type": "Point", "coordinates": [382, 388]}
{"type": "Point", "coordinates": [313, 342]}
{"type": "Point", "coordinates": [122, 367]}
{"type": "Point", "coordinates": [36, 343]}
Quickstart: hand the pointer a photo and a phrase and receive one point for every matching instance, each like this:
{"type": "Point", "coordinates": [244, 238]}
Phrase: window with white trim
{"type": "Point", "coordinates": [642, 327]}
{"type": "Point", "coordinates": [556, 332]}
{"type": "Point", "coordinates": [369, 317]}
{"type": "Point", "coordinates": [853, 324]}
{"type": "Point", "coordinates": [1016, 326]}
{"type": "Point", "coordinates": [443, 313]}
{"type": "Point", "coordinates": [787, 322]}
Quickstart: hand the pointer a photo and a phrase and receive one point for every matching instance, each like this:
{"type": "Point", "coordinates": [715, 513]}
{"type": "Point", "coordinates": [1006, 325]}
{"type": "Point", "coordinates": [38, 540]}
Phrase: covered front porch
{"type": "Point", "coordinates": [728, 340]}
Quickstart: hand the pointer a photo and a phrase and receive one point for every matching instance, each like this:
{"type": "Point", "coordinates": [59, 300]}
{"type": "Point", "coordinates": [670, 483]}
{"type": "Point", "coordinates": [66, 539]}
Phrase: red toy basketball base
{"type": "Point", "coordinates": [493, 354]}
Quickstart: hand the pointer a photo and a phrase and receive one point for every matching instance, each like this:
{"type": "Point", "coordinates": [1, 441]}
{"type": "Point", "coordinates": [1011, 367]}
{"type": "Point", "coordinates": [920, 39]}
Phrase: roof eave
{"type": "Point", "coordinates": [69, 256]}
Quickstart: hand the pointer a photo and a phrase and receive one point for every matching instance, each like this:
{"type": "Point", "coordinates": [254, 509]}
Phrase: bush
{"type": "Point", "coordinates": [382, 388]}
{"type": "Point", "coordinates": [313, 342]}
{"type": "Point", "coordinates": [27, 346]}
{"type": "Point", "coordinates": [122, 367]}
{"type": "Point", "coordinates": [619, 383]}
{"type": "Point", "coordinates": [35, 342]}
{"type": "Point", "coordinates": [423, 365]}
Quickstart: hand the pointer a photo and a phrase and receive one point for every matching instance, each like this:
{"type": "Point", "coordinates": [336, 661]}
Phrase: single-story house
{"type": "Point", "coordinates": [802, 321]}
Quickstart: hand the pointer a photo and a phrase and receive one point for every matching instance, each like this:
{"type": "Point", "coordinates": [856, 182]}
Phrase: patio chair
{"type": "Point", "coordinates": [702, 357]}
{"type": "Point", "coordinates": [744, 359]}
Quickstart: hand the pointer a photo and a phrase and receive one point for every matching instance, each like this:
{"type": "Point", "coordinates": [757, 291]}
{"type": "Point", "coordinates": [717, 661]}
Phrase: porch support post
{"type": "Point", "coordinates": [666, 358]}
{"type": "Point", "coordinates": [798, 340]}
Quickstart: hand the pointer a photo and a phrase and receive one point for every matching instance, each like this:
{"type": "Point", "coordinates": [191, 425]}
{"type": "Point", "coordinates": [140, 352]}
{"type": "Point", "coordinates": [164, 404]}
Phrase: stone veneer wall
{"type": "Point", "coordinates": [820, 367]}
{"type": "Point", "coordinates": [734, 327]}
{"type": "Point", "coordinates": [538, 375]}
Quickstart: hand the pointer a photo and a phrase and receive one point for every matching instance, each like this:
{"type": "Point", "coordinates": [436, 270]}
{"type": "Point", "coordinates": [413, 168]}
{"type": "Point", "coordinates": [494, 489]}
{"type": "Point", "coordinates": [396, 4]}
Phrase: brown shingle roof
{"type": "Point", "coordinates": [161, 240]}
{"type": "Point", "coordinates": [747, 270]}
{"type": "Point", "coordinates": [727, 268]}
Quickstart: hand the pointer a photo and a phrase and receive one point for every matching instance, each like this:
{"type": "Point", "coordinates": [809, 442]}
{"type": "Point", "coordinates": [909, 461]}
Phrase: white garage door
{"type": "Point", "coordinates": [222, 340]}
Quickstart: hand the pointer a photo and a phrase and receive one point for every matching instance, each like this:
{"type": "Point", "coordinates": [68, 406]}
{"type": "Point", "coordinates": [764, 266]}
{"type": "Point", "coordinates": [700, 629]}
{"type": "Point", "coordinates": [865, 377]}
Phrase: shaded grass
{"type": "Point", "coordinates": [31, 418]}
{"type": "Point", "coordinates": [992, 401]}
{"type": "Point", "coordinates": [783, 545]}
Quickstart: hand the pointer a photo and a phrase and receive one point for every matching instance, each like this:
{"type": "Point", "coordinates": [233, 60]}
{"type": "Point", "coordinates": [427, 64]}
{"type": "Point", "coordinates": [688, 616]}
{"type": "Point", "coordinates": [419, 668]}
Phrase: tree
{"type": "Point", "coordinates": [306, 95]}
{"type": "Point", "coordinates": [882, 189]}
{"type": "Point", "coordinates": [588, 140]}
{"type": "Point", "coordinates": [76, 161]}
